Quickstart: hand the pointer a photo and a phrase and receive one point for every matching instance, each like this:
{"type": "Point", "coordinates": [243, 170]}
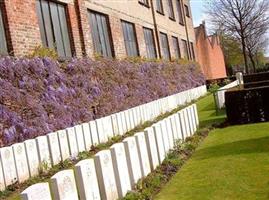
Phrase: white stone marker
{"type": "Point", "coordinates": [187, 122]}
{"type": "Point", "coordinates": [87, 180]}
{"type": "Point", "coordinates": [115, 124]}
{"type": "Point", "coordinates": [143, 153]}
{"type": "Point", "coordinates": [63, 141]}
{"type": "Point", "coordinates": [159, 141]}
{"type": "Point", "coordinates": [132, 160]}
{"type": "Point", "coordinates": [2, 180]}
{"type": "Point", "coordinates": [105, 175]}
{"type": "Point", "coordinates": [21, 162]}
{"type": "Point", "coordinates": [39, 191]}
{"type": "Point", "coordinates": [107, 127]}
{"type": "Point", "coordinates": [54, 148]}
{"type": "Point", "coordinates": [63, 185]}
{"type": "Point", "coordinates": [193, 119]}
{"type": "Point", "coordinates": [174, 127]}
{"type": "Point", "coordinates": [94, 133]}
{"type": "Point", "coordinates": [196, 114]}
{"type": "Point", "coordinates": [165, 136]}
{"type": "Point", "coordinates": [101, 133]}
{"type": "Point", "coordinates": [169, 133]}
{"type": "Point", "coordinates": [87, 136]}
{"type": "Point", "coordinates": [183, 124]}
{"type": "Point", "coordinates": [72, 142]}
{"type": "Point", "coordinates": [80, 138]}
{"type": "Point", "coordinates": [120, 169]}
{"type": "Point", "coordinates": [32, 156]}
{"type": "Point", "coordinates": [178, 125]}
{"type": "Point", "coordinates": [152, 148]}
{"type": "Point", "coordinates": [120, 123]}
{"type": "Point", "coordinates": [191, 122]}
{"type": "Point", "coordinates": [43, 152]}
{"type": "Point", "coordinates": [127, 119]}
{"type": "Point", "coordinates": [131, 118]}
{"type": "Point", "coordinates": [8, 164]}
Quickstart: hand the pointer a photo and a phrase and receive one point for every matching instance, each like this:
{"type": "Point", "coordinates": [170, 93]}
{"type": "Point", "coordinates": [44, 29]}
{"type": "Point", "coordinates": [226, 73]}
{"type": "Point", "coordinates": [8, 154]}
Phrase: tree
{"type": "Point", "coordinates": [240, 19]}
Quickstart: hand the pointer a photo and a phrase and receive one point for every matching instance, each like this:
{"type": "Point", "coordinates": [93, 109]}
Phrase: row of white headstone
{"type": "Point", "coordinates": [23, 160]}
{"type": "Point", "coordinates": [114, 172]}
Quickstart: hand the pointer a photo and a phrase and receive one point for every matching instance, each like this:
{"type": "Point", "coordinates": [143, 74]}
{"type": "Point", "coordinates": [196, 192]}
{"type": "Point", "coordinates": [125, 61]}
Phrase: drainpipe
{"type": "Point", "coordinates": [155, 28]}
{"type": "Point", "coordinates": [186, 29]}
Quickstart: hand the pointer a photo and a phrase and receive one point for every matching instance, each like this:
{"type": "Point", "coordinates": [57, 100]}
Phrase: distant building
{"type": "Point", "coordinates": [209, 54]}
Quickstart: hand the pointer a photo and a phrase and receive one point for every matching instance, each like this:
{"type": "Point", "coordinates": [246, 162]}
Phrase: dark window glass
{"type": "Point", "coordinates": [53, 27]}
{"type": "Point", "coordinates": [100, 34]}
{"type": "Point", "coordinates": [185, 48]}
{"type": "Point", "coordinates": [187, 11]}
{"type": "Point", "coordinates": [144, 2]}
{"type": "Point", "coordinates": [192, 51]}
{"type": "Point", "coordinates": [3, 42]}
{"type": "Point", "coordinates": [171, 9]}
{"type": "Point", "coordinates": [180, 14]}
{"type": "Point", "coordinates": [130, 39]}
{"type": "Point", "coordinates": [165, 46]}
{"type": "Point", "coordinates": [176, 47]}
{"type": "Point", "coordinates": [150, 44]}
{"type": "Point", "coordinates": [159, 5]}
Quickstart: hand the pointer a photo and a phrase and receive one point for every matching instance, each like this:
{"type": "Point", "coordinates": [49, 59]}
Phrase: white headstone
{"type": "Point", "coordinates": [105, 175]}
{"type": "Point", "coordinates": [101, 132]}
{"type": "Point", "coordinates": [187, 122]}
{"type": "Point", "coordinates": [152, 148]}
{"type": "Point", "coordinates": [143, 153]}
{"type": "Point", "coordinates": [193, 119]}
{"type": "Point", "coordinates": [159, 141]}
{"type": "Point", "coordinates": [169, 133]}
{"type": "Point", "coordinates": [107, 127]}
{"type": "Point", "coordinates": [32, 156]}
{"type": "Point", "coordinates": [87, 136]}
{"type": "Point", "coordinates": [191, 122]}
{"type": "Point", "coordinates": [196, 114]}
{"type": "Point", "coordinates": [120, 169]}
{"type": "Point", "coordinates": [2, 180]}
{"type": "Point", "coordinates": [63, 142]}
{"type": "Point", "coordinates": [43, 152]}
{"type": "Point", "coordinates": [39, 191]}
{"type": "Point", "coordinates": [115, 124]}
{"type": "Point", "coordinates": [124, 122]}
{"type": "Point", "coordinates": [174, 127]}
{"type": "Point", "coordinates": [63, 185]}
{"type": "Point", "coordinates": [54, 148]}
{"type": "Point", "coordinates": [178, 126]}
{"type": "Point", "coordinates": [127, 119]}
{"type": "Point", "coordinates": [132, 160]}
{"type": "Point", "coordinates": [120, 124]}
{"type": "Point", "coordinates": [94, 133]}
{"type": "Point", "coordinates": [80, 138]}
{"type": "Point", "coordinates": [72, 142]}
{"type": "Point", "coordinates": [165, 136]}
{"type": "Point", "coordinates": [87, 180]}
{"type": "Point", "coordinates": [8, 164]}
{"type": "Point", "coordinates": [182, 124]}
{"type": "Point", "coordinates": [21, 162]}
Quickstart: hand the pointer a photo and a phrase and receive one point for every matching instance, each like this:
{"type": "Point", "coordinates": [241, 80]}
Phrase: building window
{"type": "Point", "coordinates": [185, 48]}
{"type": "Point", "coordinates": [100, 34]}
{"type": "Point", "coordinates": [130, 39]}
{"type": "Point", "coordinates": [3, 41]}
{"type": "Point", "coordinates": [150, 44]}
{"type": "Point", "coordinates": [180, 13]}
{"type": "Point", "coordinates": [165, 46]}
{"type": "Point", "coordinates": [171, 10]}
{"type": "Point", "coordinates": [159, 5]}
{"type": "Point", "coordinates": [187, 10]}
{"type": "Point", "coordinates": [176, 47]}
{"type": "Point", "coordinates": [192, 51]}
{"type": "Point", "coordinates": [53, 27]}
{"type": "Point", "coordinates": [144, 2]}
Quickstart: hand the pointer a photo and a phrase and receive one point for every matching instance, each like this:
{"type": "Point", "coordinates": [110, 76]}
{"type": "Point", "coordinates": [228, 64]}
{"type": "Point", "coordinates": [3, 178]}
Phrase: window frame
{"type": "Point", "coordinates": [186, 49]}
{"type": "Point", "coordinates": [144, 3]}
{"type": "Point", "coordinates": [177, 46]}
{"type": "Point", "coordinates": [171, 12]}
{"type": "Point", "coordinates": [5, 46]}
{"type": "Point", "coordinates": [135, 38]}
{"type": "Point", "coordinates": [180, 13]}
{"type": "Point", "coordinates": [192, 51]}
{"type": "Point", "coordinates": [161, 11]}
{"type": "Point", "coordinates": [109, 34]}
{"type": "Point", "coordinates": [153, 44]}
{"type": "Point", "coordinates": [187, 10]}
{"type": "Point", "coordinates": [168, 46]}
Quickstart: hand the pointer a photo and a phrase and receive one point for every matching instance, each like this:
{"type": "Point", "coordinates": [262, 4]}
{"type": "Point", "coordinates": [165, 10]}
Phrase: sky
{"type": "Point", "coordinates": [198, 12]}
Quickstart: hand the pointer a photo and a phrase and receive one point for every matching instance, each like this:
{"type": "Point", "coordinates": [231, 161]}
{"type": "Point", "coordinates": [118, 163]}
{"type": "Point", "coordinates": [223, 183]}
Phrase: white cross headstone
{"type": "Point", "coordinates": [87, 136]}
{"type": "Point", "coordinates": [143, 153]}
{"type": "Point", "coordinates": [63, 142]}
{"type": "Point", "coordinates": [63, 185]}
{"type": "Point", "coordinates": [43, 152]}
{"type": "Point", "coordinates": [159, 140]}
{"type": "Point", "coordinates": [120, 168]}
{"type": "Point", "coordinates": [54, 148]}
{"type": "Point", "coordinates": [152, 148]}
{"type": "Point", "coordinates": [8, 164]}
{"type": "Point", "coordinates": [72, 142]}
{"type": "Point", "coordinates": [40, 191]}
{"type": "Point", "coordinates": [80, 138]}
{"type": "Point", "coordinates": [105, 175]}
{"type": "Point", "coordinates": [132, 160]}
{"type": "Point", "coordinates": [21, 162]}
{"type": "Point", "coordinates": [32, 156]}
{"type": "Point", "coordinates": [87, 180]}
{"type": "Point", "coordinates": [94, 133]}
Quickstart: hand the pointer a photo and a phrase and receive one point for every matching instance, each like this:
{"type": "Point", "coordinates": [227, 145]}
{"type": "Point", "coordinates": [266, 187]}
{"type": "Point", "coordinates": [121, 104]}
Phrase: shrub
{"type": "Point", "coordinates": [40, 95]}
{"type": "Point", "coordinates": [43, 52]}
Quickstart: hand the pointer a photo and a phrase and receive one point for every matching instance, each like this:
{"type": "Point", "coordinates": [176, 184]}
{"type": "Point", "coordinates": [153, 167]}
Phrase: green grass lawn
{"type": "Point", "coordinates": [231, 163]}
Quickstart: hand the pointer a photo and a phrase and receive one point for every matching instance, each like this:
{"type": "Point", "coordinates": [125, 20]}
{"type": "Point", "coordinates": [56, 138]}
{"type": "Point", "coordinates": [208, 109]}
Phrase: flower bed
{"type": "Point", "coordinates": [39, 96]}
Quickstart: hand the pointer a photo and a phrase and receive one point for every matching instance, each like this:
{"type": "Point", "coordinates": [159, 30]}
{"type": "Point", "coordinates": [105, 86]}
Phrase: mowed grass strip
{"type": "Point", "coordinates": [231, 163]}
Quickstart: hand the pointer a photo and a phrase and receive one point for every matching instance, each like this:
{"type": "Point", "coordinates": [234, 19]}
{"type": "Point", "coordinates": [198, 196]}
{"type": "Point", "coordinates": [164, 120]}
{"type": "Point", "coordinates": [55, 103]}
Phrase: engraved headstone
{"type": "Point", "coordinates": [165, 136]}
{"type": "Point", "coordinates": [72, 142]}
{"type": "Point", "coordinates": [120, 124]}
{"type": "Point", "coordinates": [63, 142]}
{"type": "Point", "coordinates": [32, 156]}
{"type": "Point", "coordinates": [159, 141]}
{"type": "Point", "coordinates": [80, 138]}
{"type": "Point", "coordinates": [183, 124]}
{"type": "Point", "coordinates": [87, 136]}
{"type": "Point", "coordinates": [2, 180]}
{"type": "Point", "coordinates": [8, 164]}
{"type": "Point", "coordinates": [94, 133]}
{"type": "Point", "coordinates": [54, 148]}
{"type": "Point", "coordinates": [39, 191]}
{"type": "Point", "coordinates": [101, 132]}
{"type": "Point", "coordinates": [43, 152]}
{"type": "Point", "coordinates": [169, 133]}
{"type": "Point", "coordinates": [115, 124]}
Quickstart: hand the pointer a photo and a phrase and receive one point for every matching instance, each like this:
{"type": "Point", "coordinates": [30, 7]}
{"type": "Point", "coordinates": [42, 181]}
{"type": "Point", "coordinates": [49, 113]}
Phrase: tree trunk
{"type": "Point", "coordinates": [245, 54]}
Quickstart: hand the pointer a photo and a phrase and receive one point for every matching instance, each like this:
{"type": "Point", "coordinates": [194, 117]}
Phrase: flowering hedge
{"type": "Point", "coordinates": [39, 96]}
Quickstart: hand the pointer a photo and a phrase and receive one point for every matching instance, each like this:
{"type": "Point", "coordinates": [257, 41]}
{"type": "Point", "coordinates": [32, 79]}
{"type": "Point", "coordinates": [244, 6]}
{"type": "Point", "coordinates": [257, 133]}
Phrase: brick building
{"type": "Point", "coordinates": [118, 28]}
{"type": "Point", "coordinates": [209, 54]}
